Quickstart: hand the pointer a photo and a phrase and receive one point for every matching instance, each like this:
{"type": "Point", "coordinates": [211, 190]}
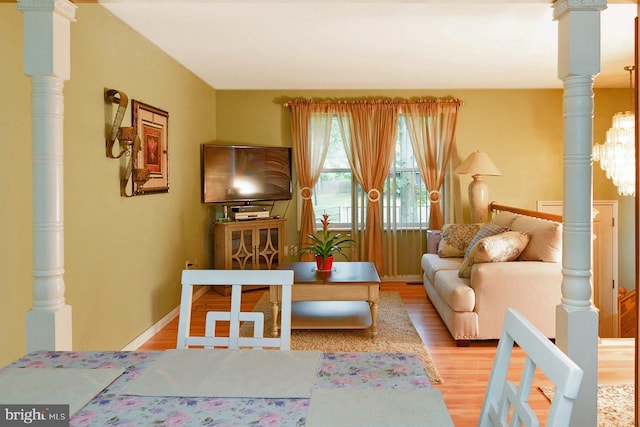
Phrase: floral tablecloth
{"type": "Point", "coordinates": [335, 371]}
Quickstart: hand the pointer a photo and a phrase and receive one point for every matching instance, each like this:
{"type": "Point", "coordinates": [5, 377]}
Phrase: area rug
{"type": "Point", "coordinates": [615, 404]}
{"type": "Point", "coordinates": [396, 334]}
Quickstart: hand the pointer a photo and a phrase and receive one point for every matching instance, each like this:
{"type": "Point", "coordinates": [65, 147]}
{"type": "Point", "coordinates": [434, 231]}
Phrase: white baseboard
{"type": "Point", "coordinates": [156, 327]}
{"type": "Point", "coordinates": [407, 278]}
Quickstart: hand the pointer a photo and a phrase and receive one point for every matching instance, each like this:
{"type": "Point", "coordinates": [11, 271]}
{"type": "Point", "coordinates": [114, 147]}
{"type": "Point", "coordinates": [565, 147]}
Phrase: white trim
{"type": "Point", "coordinates": [156, 327]}
{"type": "Point", "coordinates": [408, 278]}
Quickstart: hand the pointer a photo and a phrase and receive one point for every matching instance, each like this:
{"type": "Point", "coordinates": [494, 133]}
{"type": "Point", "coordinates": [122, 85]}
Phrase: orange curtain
{"type": "Point", "coordinates": [432, 127]}
{"type": "Point", "coordinates": [369, 130]}
{"type": "Point", "coordinates": [310, 135]}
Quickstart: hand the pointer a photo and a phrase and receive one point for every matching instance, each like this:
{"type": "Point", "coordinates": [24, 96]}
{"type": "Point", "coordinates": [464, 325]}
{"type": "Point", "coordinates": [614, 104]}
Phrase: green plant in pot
{"type": "Point", "coordinates": [326, 244]}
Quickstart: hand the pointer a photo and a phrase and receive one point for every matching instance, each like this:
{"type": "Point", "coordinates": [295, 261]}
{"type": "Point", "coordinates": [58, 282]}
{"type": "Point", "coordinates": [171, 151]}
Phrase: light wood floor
{"type": "Point", "coordinates": [465, 370]}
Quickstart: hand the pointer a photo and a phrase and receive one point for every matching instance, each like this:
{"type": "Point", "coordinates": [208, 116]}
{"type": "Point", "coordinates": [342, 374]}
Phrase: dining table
{"type": "Point", "coordinates": [222, 387]}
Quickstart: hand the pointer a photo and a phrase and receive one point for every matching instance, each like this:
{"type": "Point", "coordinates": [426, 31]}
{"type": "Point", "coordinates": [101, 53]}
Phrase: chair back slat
{"type": "Point", "coordinates": [504, 399]}
{"type": "Point", "coordinates": [235, 278]}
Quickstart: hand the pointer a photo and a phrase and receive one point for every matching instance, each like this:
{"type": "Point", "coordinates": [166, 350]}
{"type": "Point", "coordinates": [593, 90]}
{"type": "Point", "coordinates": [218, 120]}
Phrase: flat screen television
{"type": "Point", "coordinates": [236, 174]}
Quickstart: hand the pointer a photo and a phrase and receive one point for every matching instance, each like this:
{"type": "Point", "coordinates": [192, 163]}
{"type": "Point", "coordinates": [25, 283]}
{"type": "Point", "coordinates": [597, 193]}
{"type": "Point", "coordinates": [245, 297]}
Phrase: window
{"type": "Point", "coordinates": [332, 192]}
{"type": "Point", "coordinates": [405, 201]}
{"type": "Point", "coordinates": [405, 193]}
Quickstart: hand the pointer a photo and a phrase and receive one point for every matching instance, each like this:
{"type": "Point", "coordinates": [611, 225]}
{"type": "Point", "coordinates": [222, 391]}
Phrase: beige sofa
{"type": "Point", "coordinates": [513, 261]}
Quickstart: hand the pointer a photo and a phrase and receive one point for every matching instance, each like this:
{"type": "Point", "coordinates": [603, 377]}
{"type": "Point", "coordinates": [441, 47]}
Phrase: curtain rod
{"type": "Point", "coordinates": [398, 101]}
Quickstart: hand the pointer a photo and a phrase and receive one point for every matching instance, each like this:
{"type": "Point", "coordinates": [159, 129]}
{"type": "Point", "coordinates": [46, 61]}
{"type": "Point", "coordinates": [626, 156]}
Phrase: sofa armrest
{"type": "Point", "coordinates": [531, 287]}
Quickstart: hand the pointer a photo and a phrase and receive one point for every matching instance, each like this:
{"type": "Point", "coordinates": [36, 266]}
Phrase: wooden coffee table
{"type": "Point", "coordinates": [355, 282]}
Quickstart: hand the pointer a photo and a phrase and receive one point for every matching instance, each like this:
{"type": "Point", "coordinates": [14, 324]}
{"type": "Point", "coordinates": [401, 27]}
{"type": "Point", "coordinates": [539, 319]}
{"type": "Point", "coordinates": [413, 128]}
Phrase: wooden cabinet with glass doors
{"type": "Point", "coordinates": [247, 245]}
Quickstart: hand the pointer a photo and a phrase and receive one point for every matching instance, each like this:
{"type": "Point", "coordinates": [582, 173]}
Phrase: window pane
{"type": "Point", "coordinates": [404, 195]}
{"type": "Point", "coordinates": [406, 205]}
{"type": "Point", "coordinates": [332, 196]}
{"type": "Point", "coordinates": [332, 193]}
{"type": "Point", "coordinates": [336, 157]}
{"type": "Point", "coordinates": [406, 192]}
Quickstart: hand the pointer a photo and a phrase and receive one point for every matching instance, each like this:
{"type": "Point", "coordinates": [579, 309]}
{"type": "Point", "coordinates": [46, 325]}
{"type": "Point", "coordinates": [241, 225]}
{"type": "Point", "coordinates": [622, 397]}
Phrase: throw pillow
{"type": "Point", "coordinates": [546, 239]}
{"type": "Point", "coordinates": [485, 231]}
{"type": "Point", "coordinates": [501, 247]}
{"type": "Point", "coordinates": [504, 219]}
{"type": "Point", "coordinates": [455, 239]}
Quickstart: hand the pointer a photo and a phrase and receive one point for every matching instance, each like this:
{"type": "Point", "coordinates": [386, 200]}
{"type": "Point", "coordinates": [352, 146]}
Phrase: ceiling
{"type": "Point", "coordinates": [376, 44]}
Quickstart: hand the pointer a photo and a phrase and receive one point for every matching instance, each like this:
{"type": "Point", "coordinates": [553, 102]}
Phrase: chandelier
{"type": "Point", "coordinates": [617, 156]}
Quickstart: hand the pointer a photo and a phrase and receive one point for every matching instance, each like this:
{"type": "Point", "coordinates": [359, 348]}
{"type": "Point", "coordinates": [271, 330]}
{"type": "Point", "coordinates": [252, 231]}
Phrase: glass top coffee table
{"type": "Point", "coordinates": [344, 298]}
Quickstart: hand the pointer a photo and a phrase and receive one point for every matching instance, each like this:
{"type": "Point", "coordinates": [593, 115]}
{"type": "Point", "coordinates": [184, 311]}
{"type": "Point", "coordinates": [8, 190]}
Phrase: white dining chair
{"type": "Point", "coordinates": [505, 403]}
{"type": "Point", "coordinates": [235, 278]}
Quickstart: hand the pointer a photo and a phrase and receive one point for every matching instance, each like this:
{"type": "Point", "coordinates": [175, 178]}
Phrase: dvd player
{"type": "Point", "coordinates": [242, 213]}
{"type": "Point", "coordinates": [248, 208]}
{"type": "Point", "coordinates": [243, 216]}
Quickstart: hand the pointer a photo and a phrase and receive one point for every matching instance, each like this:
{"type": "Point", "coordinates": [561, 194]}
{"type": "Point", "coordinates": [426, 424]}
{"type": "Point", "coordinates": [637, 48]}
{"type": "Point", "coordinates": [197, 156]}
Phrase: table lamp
{"type": "Point", "coordinates": [478, 164]}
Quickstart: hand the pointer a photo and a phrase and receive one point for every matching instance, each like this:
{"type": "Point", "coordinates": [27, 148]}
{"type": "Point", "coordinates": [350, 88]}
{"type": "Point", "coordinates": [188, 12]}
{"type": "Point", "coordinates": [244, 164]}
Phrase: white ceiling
{"type": "Point", "coordinates": [379, 44]}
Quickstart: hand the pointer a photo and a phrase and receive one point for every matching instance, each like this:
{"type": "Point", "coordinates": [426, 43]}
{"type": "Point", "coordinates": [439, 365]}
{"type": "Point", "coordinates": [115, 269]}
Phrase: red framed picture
{"type": "Point", "coordinates": [152, 127]}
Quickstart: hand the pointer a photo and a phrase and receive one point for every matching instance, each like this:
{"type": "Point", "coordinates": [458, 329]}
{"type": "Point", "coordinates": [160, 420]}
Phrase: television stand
{"type": "Point", "coordinates": [247, 245]}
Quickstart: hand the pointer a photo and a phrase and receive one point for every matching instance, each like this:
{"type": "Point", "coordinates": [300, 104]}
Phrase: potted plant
{"type": "Point", "coordinates": [327, 244]}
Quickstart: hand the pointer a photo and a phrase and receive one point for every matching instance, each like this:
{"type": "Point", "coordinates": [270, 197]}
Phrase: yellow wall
{"type": "Point", "coordinates": [521, 130]}
{"type": "Point", "coordinates": [607, 103]}
{"type": "Point", "coordinates": [15, 174]}
{"type": "Point", "coordinates": [123, 257]}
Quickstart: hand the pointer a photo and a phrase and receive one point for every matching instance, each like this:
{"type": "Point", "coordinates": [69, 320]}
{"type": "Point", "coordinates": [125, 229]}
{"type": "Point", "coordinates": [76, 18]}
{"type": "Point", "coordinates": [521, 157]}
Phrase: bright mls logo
{"type": "Point", "coordinates": [34, 415]}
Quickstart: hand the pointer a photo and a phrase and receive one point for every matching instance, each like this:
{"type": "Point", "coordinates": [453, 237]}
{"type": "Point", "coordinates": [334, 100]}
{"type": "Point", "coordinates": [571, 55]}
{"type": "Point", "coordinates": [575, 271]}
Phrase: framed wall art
{"type": "Point", "coordinates": [151, 165]}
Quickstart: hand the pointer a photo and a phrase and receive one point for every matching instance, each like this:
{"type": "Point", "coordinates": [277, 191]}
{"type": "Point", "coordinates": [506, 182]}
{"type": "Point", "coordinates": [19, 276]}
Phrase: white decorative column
{"type": "Point", "coordinates": [576, 318]}
{"type": "Point", "coordinates": [47, 60]}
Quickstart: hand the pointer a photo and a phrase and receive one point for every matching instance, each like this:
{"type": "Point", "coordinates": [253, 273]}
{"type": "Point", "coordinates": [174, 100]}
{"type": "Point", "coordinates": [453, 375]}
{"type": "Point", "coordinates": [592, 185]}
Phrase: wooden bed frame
{"type": "Point", "coordinates": [495, 207]}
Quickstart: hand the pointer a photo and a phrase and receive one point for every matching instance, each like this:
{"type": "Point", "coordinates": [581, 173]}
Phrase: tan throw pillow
{"type": "Point", "coordinates": [455, 239]}
{"type": "Point", "coordinates": [485, 231]}
{"type": "Point", "coordinates": [546, 239]}
{"type": "Point", "coordinates": [502, 247]}
{"type": "Point", "coordinates": [504, 219]}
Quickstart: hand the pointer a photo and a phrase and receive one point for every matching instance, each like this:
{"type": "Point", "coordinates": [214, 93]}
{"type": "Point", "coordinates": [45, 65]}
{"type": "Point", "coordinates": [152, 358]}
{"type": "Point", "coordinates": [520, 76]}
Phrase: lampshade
{"type": "Point", "coordinates": [478, 163]}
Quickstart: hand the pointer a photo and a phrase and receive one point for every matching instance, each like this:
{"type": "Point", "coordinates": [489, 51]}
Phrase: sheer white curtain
{"type": "Point", "coordinates": [432, 129]}
{"type": "Point", "coordinates": [379, 202]}
{"type": "Point", "coordinates": [369, 130]}
{"type": "Point", "coordinates": [406, 213]}
{"type": "Point", "coordinates": [310, 136]}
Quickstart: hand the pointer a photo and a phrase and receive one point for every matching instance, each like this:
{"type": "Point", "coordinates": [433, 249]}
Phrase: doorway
{"type": "Point", "coordinates": [604, 262]}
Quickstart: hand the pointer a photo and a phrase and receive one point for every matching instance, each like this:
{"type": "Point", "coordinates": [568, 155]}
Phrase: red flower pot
{"type": "Point", "coordinates": [326, 265]}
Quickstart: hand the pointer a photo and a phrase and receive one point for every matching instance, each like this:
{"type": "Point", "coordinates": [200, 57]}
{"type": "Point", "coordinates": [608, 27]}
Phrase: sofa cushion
{"type": "Point", "coordinates": [501, 247]}
{"type": "Point", "coordinates": [455, 291]}
{"type": "Point", "coordinates": [432, 263]}
{"type": "Point", "coordinates": [456, 238]}
{"type": "Point", "coordinates": [486, 230]}
{"type": "Point", "coordinates": [546, 239]}
{"type": "Point", "coordinates": [504, 219]}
